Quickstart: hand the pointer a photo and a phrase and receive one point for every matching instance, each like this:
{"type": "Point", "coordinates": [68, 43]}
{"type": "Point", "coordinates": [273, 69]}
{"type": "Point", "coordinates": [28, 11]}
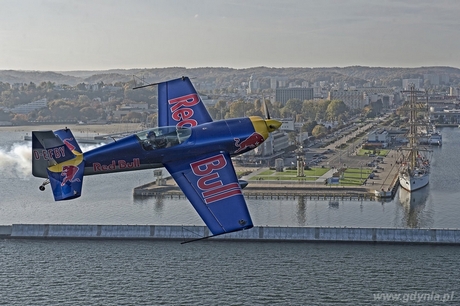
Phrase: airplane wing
{"type": "Point", "coordinates": [180, 105]}
{"type": "Point", "coordinates": [211, 185]}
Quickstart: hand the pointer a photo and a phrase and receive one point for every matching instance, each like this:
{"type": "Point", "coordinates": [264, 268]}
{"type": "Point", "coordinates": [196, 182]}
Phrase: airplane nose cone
{"type": "Point", "coordinates": [272, 125]}
{"type": "Point", "coordinates": [264, 126]}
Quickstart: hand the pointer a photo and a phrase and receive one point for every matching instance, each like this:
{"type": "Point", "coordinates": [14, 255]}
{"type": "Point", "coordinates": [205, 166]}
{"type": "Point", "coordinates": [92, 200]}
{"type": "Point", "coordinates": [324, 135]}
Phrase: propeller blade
{"type": "Point", "coordinates": [267, 114]}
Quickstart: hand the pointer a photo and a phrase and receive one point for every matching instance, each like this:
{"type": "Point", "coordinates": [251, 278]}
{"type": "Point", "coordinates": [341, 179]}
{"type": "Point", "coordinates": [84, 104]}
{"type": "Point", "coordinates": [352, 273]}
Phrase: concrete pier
{"type": "Point", "coordinates": [258, 233]}
{"type": "Point", "coordinates": [383, 186]}
{"type": "Point", "coordinates": [277, 189]}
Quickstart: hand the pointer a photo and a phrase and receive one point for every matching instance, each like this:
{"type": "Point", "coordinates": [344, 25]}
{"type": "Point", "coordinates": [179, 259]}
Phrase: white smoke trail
{"type": "Point", "coordinates": [17, 160]}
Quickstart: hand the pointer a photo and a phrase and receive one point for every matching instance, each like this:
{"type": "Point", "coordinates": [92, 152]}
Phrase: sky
{"type": "Point", "coordinates": [62, 35]}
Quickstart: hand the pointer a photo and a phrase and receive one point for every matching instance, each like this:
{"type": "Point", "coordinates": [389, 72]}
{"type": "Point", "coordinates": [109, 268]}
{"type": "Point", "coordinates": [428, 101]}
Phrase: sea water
{"type": "Point", "coordinates": [88, 272]}
{"type": "Point", "coordinates": [108, 198]}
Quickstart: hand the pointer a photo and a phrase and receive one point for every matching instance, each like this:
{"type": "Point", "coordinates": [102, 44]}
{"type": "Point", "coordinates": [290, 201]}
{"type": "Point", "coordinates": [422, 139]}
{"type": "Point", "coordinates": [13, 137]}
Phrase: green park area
{"type": "Point", "coordinates": [350, 177]}
{"type": "Point", "coordinates": [289, 175]}
{"type": "Point", "coordinates": [379, 152]}
{"type": "Point", "coordinates": [354, 176]}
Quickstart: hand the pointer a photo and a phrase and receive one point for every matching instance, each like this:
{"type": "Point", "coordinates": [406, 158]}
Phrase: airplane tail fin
{"type": "Point", "coordinates": [68, 139]}
{"type": "Point", "coordinates": [58, 157]}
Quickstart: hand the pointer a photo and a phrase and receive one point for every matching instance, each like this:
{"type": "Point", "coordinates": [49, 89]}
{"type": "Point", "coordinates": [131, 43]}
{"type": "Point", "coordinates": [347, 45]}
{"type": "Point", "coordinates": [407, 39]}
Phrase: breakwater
{"type": "Point", "coordinates": [258, 233]}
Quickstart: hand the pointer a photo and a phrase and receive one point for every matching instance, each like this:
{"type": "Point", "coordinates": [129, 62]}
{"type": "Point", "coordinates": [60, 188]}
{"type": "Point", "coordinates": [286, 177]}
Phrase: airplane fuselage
{"type": "Point", "coordinates": [235, 136]}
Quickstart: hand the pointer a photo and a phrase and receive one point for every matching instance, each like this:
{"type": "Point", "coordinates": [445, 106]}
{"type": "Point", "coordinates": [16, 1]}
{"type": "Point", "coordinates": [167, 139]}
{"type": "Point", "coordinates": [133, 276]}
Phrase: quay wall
{"type": "Point", "coordinates": [259, 233]}
{"type": "Point", "coordinates": [5, 230]}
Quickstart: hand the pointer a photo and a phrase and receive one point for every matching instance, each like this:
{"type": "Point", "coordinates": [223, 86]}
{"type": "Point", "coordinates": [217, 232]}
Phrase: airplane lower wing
{"type": "Point", "coordinates": [211, 185]}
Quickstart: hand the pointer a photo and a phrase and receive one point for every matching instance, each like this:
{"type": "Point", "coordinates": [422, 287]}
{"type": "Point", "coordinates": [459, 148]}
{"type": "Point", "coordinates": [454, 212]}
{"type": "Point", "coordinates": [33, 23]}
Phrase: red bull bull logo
{"type": "Point", "coordinates": [253, 141]}
{"type": "Point", "coordinates": [69, 173]}
{"type": "Point", "coordinates": [68, 143]}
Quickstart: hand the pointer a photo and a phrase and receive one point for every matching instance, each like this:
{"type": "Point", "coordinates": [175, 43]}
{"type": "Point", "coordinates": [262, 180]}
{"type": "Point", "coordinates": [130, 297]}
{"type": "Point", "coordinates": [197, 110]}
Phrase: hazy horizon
{"type": "Point", "coordinates": [216, 67]}
{"type": "Point", "coordinates": [58, 35]}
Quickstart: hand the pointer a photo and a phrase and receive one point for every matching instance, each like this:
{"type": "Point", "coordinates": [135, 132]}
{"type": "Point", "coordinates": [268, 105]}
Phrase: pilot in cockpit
{"type": "Point", "coordinates": [151, 136]}
{"type": "Point", "coordinates": [155, 142]}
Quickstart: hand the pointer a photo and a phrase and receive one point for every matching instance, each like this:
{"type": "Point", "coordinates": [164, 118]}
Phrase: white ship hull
{"type": "Point", "coordinates": [412, 183]}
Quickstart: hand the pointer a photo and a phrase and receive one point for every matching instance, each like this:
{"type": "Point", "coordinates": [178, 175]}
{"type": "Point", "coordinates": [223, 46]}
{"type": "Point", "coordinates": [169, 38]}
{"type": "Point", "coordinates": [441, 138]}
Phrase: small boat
{"type": "Point", "coordinates": [382, 194]}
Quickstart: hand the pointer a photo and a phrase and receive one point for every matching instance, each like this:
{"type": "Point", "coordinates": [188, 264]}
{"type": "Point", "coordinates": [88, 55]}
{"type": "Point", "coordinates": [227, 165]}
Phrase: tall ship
{"type": "Point", "coordinates": [414, 172]}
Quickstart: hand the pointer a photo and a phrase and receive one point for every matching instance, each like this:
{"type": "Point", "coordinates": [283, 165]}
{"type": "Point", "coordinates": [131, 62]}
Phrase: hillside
{"type": "Point", "coordinates": [221, 77]}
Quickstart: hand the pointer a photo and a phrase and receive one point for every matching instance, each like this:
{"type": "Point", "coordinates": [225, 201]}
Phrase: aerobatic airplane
{"type": "Point", "coordinates": [194, 149]}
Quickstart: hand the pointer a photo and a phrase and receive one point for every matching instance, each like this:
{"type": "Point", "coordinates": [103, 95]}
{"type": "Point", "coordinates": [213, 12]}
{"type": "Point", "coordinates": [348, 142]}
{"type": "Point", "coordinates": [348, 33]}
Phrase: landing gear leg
{"type": "Point", "coordinates": [42, 186]}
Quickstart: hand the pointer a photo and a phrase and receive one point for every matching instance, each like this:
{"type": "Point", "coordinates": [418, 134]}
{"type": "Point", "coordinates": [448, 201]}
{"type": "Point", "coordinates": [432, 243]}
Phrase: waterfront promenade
{"type": "Point", "coordinates": [383, 185]}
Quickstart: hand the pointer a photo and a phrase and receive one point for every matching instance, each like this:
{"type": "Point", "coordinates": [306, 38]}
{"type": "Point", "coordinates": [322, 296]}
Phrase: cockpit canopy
{"type": "Point", "coordinates": [163, 137]}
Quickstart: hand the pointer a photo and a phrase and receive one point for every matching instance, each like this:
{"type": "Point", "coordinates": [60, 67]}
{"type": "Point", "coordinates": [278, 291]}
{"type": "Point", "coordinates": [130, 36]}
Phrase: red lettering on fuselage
{"type": "Point", "coordinates": [213, 189]}
{"type": "Point", "coordinates": [181, 110]}
{"type": "Point", "coordinates": [114, 165]}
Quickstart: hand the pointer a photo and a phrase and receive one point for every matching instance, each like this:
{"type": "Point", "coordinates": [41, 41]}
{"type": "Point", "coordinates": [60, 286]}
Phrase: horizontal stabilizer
{"type": "Point", "coordinates": [66, 180]}
{"type": "Point", "coordinates": [57, 156]}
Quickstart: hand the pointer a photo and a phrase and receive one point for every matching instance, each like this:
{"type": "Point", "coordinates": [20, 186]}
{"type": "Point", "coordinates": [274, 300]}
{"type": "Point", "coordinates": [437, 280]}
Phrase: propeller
{"type": "Point", "coordinates": [272, 125]}
{"type": "Point", "coordinates": [266, 113]}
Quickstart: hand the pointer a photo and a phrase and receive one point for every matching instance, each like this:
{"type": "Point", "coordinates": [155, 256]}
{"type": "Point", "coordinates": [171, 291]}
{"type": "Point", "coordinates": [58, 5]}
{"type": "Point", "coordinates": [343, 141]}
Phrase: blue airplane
{"type": "Point", "coordinates": [194, 149]}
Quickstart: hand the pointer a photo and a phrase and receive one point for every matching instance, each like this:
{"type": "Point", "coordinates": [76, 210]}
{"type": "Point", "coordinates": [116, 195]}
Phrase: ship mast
{"type": "Point", "coordinates": [413, 127]}
{"type": "Point", "coordinates": [414, 173]}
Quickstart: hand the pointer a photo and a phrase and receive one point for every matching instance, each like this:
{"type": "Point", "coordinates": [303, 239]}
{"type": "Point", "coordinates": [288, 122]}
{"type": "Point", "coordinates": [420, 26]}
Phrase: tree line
{"type": "Point", "coordinates": [82, 103]}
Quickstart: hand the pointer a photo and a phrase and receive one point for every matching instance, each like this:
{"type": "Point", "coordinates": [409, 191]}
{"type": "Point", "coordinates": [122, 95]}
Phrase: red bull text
{"type": "Point", "coordinates": [119, 164]}
{"type": "Point", "coordinates": [181, 110]}
{"type": "Point", "coordinates": [213, 189]}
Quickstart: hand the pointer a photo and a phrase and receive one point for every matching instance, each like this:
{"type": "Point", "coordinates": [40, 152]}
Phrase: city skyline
{"type": "Point", "coordinates": [55, 35]}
